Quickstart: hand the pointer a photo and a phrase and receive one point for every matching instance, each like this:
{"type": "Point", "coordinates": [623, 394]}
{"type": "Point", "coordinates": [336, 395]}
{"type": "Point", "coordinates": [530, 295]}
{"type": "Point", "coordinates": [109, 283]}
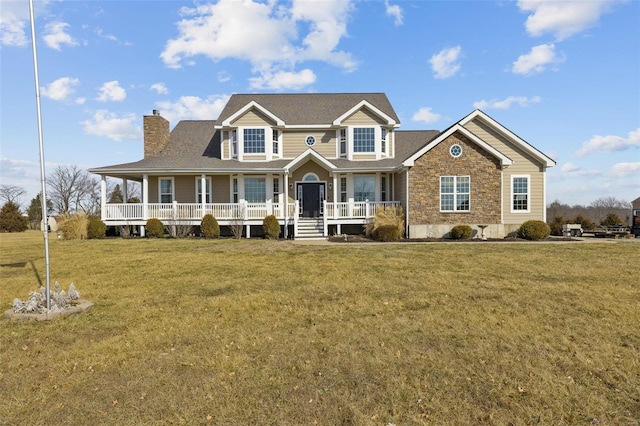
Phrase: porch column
{"type": "Point", "coordinates": [203, 192]}
{"type": "Point", "coordinates": [335, 194]}
{"type": "Point", "coordinates": [286, 204]}
{"type": "Point", "coordinates": [145, 196]}
{"type": "Point", "coordinates": [125, 190]}
{"type": "Point", "coordinates": [103, 196]}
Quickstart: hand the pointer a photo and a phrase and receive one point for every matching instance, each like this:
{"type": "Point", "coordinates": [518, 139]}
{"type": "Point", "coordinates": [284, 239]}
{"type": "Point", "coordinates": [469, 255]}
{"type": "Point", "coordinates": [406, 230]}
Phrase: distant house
{"type": "Point", "coordinates": [324, 163]}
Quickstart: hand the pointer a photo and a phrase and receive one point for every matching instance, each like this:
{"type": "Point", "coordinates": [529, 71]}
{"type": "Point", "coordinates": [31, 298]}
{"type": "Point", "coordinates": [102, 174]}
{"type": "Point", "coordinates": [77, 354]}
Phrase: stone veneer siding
{"type": "Point", "coordinates": [156, 134]}
{"type": "Point", "coordinates": [424, 184]}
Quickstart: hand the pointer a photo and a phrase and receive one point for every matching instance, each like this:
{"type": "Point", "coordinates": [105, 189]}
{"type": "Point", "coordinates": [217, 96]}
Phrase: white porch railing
{"type": "Point", "coordinates": [356, 210]}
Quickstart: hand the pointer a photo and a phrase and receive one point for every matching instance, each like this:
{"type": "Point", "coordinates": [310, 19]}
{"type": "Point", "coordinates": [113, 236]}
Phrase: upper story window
{"type": "Point", "coordinates": [253, 141]}
{"type": "Point", "coordinates": [166, 190]}
{"type": "Point", "coordinates": [234, 143]}
{"type": "Point", "coordinates": [383, 141]}
{"type": "Point", "coordinates": [275, 135]}
{"type": "Point", "coordinates": [520, 194]}
{"type": "Point", "coordinates": [455, 150]}
{"type": "Point", "coordinates": [364, 139]}
{"type": "Point", "coordinates": [454, 193]}
{"type": "Point", "coordinates": [343, 142]}
{"type": "Point", "coordinates": [310, 141]}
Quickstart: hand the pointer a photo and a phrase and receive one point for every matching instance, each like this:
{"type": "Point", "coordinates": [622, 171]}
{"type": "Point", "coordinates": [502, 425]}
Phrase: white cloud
{"type": "Point", "coordinates": [110, 125]}
{"type": "Point", "coordinates": [271, 36]}
{"type": "Point", "coordinates": [536, 60]}
{"type": "Point", "coordinates": [283, 80]}
{"type": "Point", "coordinates": [425, 115]}
{"type": "Point", "coordinates": [444, 63]}
{"type": "Point", "coordinates": [60, 89]}
{"type": "Point", "coordinates": [569, 167]}
{"type": "Point", "coordinates": [610, 143]}
{"type": "Point", "coordinates": [562, 18]}
{"type": "Point", "coordinates": [55, 35]}
{"type": "Point", "coordinates": [223, 77]}
{"type": "Point", "coordinates": [573, 170]}
{"type": "Point", "coordinates": [621, 170]}
{"type": "Point", "coordinates": [193, 108]}
{"type": "Point", "coordinates": [506, 103]}
{"type": "Point", "coordinates": [394, 11]}
{"type": "Point", "coordinates": [14, 17]}
{"type": "Point", "coordinates": [160, 88]}
{"type": "Point", "coordinates": [111, 91]}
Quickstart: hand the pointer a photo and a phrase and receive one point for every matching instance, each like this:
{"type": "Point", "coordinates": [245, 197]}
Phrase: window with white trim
{"type": "Point", "coordinates": [520, 194]}
{"type": "Point", "coordinates": [234, 143]}
{"type": "Point", "coordinates": [165, 190]}
{"type": "Point", "coordinates": [253, 141]}
{"type": "Point", "coordinates": [383, 141]}
{"type": "Point", "coordinates": [364, 188]}
{"type": "Point", "coordinates": [383, 188]}
{"type": "Point", "coordinates": [255, 189]}
{"type": "Point", "coordinates": [234, 190]}
{"type": "Point", "coordinates": [454, 193]}
{"type": "Point", "coordinates": [275, 134]}
{"type": "Point", "coordinates": [364, 139]}
{"type": "Point", "coordinates": [207, 194]}
{"type": "Point", "coordinates": [343, 189]}
{"type": "Point", "coordinates": [343, 142]}
{"type": "Point", "coordinates": [276, 190]}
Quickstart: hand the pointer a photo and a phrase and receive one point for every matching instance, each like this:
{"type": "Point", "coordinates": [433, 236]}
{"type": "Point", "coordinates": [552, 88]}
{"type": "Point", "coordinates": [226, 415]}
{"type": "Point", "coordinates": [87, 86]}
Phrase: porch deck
{"type": "Point", "coordinates": [231, 213]}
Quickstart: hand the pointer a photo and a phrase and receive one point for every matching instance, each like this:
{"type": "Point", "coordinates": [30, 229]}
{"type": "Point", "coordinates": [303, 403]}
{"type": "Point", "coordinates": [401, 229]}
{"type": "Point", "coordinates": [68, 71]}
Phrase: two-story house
{"type": "Point", "coordinates": [323, 163]}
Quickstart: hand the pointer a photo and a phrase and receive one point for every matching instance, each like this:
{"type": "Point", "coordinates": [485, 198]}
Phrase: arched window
{"type": "Point", "coordinates": [310, 177]}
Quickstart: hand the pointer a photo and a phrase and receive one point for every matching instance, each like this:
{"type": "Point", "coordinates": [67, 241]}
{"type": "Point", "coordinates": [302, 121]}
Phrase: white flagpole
{"type": "Point", "coordinates": [45, 221]}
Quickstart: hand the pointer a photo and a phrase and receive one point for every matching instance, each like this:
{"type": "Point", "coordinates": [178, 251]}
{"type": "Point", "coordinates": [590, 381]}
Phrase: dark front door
{"type": "Point", "coordinates": [310, 197]}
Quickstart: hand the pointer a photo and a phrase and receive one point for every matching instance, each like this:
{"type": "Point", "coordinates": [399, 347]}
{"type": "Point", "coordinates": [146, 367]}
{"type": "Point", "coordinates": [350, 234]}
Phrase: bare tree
{"type": "Point", "coordinates": [12, 193]}
{"type": "Point", "coordinates": [237, 221]}
{"type": "Point", "coordinates": [73, 189]}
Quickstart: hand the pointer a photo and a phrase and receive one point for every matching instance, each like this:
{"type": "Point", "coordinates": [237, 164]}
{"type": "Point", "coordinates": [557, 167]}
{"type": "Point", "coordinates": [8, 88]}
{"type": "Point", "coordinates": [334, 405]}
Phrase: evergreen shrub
{"type": "Point", "coordinates": [11, 220]}
{"type": "Point", "coordinates": [534, 230]}
{"type": "Point", "coordinates": [154, 228]}
{"type": "Point", "coordinates": [461, 232]}
{"type": "Point", "coordinates": [271, 227]}
{"type": "Point", "coordinates": [96, 229]}
{"type": "Point", "coordinates": [209, 226]}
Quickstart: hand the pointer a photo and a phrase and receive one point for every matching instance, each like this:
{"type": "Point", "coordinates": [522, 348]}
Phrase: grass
{"type": "Point", "coordinates": [274, 332]}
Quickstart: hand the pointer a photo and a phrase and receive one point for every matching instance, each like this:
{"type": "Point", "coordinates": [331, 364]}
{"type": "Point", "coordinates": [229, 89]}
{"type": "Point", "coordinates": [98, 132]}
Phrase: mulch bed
{"type": "Point", "coordinates": [364, 239]}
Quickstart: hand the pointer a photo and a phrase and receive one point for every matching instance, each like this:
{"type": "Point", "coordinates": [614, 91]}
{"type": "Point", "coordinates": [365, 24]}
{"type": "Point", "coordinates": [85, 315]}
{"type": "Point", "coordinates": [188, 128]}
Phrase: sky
{"type": "Point", "coordinates": [564, 76]}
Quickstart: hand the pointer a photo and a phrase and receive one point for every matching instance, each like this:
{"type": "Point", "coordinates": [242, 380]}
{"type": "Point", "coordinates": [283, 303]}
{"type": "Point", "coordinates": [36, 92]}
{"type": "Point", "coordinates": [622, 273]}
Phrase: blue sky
{"type": "Point", "coordinates": [564, 76]}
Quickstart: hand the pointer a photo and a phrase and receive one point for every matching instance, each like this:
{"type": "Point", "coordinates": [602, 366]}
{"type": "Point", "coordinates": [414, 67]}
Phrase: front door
{"type": "Point", "coordinates": [311, 197]}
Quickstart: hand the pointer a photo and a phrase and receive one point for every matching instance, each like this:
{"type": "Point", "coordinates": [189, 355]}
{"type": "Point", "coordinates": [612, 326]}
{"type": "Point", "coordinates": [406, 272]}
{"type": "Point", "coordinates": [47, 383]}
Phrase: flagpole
{"type": "Point", "coordinates": [45, 221]}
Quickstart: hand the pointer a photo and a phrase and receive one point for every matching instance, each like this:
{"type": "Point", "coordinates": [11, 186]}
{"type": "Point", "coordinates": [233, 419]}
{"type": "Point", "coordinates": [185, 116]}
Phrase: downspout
{"type": "Point", "coordinates": [544, 194]}
{"type": "Point", "coordinates": [406, 214]}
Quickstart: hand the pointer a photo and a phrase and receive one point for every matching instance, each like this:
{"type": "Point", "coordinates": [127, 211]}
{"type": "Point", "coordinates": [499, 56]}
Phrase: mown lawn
{"type": "Point", "coordinates": [232, 332]}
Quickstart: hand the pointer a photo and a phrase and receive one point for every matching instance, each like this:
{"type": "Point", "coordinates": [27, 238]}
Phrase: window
{"type": "Point", "coordinates": [383, 146]}
{"type": "Point", "coordinates": [275, 141]}
{"type": "Point", "coordinates": [310, 141]}
{"type": "Point", "coordinates": [255, 190]}
{"type": "Point", "coordinates": [254, 141]}
{"type": "Point", "coordinates": [310, 177]}
{"type": "Point", "coordinates": [383, 188]}
{"type": "Point", "coordinates": [454, 193]}
{"type": "Point", "coordinates": [455, 151]}
{"type": "Point", "coordinates": [234, 190]}
{"type": "Point", "coordinates": [276, 190]}
{"type": "Point", "coordinates": [343, 189]}
{"type": "Point", "coordinates": [343, 142]}
{"type": "Point", "coordinates": [364, 139]}
{"type": "Point", "coordinates": [207, 194]}
{"type": "Point", "coordinates": [364, 188]}
{"type": "Point", "coordinates": [234, 143]}
{"type": "Point", "coordinates": [166, 190]}
{"type": "Point", "coordinates": [520, 191]}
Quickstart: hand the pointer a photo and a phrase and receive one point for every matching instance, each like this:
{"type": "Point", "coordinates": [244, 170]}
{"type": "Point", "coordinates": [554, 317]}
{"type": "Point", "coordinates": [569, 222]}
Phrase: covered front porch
{"type": "Point", "coordinates": [244, 213]}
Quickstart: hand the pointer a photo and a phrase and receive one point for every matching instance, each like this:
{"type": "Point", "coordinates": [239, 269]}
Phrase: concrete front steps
{"type": "Point", "coordinates": [310, 229]}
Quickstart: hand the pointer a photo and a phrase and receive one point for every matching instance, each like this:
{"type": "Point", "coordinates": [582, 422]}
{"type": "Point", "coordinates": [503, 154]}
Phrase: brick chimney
{"type": "Point", "coordinates": [156, 134]}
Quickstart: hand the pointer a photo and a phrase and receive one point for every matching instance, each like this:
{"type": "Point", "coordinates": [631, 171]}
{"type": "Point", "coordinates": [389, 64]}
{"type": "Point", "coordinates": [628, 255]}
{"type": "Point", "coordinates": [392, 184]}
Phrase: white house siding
{"type": "Point", "coordinates": [294, 142]}
{"type": "Point", "coordinates": [523, 164]}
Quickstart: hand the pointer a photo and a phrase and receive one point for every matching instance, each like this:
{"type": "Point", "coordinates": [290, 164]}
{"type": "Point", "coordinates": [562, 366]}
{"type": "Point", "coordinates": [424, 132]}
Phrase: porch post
{"type": "Point", "coordinates": [103, 196]}
{"type": "Point", "coordinates": [335, 194]}
{"type": "Point", "coordinates": [286, 204]}
{"type": "Point", "coordinates": [203, 192]}
{"type": "Point", "coordinates": [125, 190]}
{"type": "Point", "coordinates": [145, 197]}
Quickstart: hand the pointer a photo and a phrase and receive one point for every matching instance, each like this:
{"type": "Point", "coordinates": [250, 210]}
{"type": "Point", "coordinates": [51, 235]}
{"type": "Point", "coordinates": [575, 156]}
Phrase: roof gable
{"type": "Point", "coordinates": [364, 104]}
{"type": "Point", "coordinates": [248, 107]}
{"type": "Point", "coordinates": [309, 154]}
{"type": "Point", "coordinates": [544, 159]}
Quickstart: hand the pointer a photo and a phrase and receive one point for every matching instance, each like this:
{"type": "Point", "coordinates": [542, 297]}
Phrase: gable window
{"type": "Point", "coordinates": [276, 190]}
{"type": "Point", "coordinates": [253, 141]}
{"type": "Point", "coordinates": [520, 194]}
{"type": "Point", "coordinates": [166, 190]}
{"type": "Point", "coordinates": [343, 142]}
{"type": "Point", "coordinates": [275, 141]}
{"type": "Point", "coordinates": [364, 139]}
{"type": "Point", "coordinates": [207, 194]}
{"type": "Point", "coordinates": [454, 193]}
{"type": "Point", "coordinates": [364, 188]}
{"type": "Point", "coordinates": [255, 190]}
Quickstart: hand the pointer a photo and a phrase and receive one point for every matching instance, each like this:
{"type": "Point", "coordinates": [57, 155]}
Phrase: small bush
{"type": "Point", "coordinates": [74, 227]}
{"type": "Point", "coordinates": [387, 233]}
{"type": "Point", "coordinates": [209, 226]}
{"type": "Point", "coordinates": [534, 230]}
{"type": "Point", "coordinates": [461, 232]}
{"type": "Point", "coordinates": [271, 227]}
{"type": "Point", "coordinates": [96, 229]}
{"type": "Point", "coordinates": [556, 225]}
{"type": "Point", "coordinates": [11, 220]}
{"type": "Point", "coordinates": [611, 220]}
{"type": "Point", "coordinates": [585, 222]}
{"type": "Point", "coordinates": [154, 228]}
